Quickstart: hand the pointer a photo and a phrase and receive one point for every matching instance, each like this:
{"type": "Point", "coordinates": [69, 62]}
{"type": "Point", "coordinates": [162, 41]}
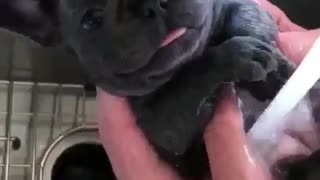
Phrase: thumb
{"type": "Point", "coordinates": [297, 44]}
{"type": "Point", "coordinates": [282, 20]}
{"type": "Point", "coordinates": [228, 152]}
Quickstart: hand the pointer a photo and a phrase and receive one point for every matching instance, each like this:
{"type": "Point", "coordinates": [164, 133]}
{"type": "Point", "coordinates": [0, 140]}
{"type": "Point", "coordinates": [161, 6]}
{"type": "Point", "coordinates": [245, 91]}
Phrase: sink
{"type": "Point", "coordinates": [44, 108]}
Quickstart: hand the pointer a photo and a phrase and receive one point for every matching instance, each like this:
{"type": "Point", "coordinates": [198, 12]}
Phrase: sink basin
{"type": "Point", "coordinates": [42, 97]}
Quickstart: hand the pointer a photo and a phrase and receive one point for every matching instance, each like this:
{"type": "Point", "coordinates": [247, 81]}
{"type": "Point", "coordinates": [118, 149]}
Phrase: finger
{"type": "Point", "coordinates": [229, 155]}
{"type": "Point", "coordinates": [282, 20]}
{"type": "Point", "coordinates": [289, 146]}
{"type": "Point", "coordinates": [130, 154]}
{"type": "Point", "coordinates": [297, 44]}
{"type": "Point", "coordinates": [308, 137]}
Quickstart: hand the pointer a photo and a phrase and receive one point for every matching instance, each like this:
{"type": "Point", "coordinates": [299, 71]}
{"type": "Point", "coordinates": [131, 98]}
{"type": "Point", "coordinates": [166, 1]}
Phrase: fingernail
{"type": "Point", "coordinates": [228, 96]}
{"type": "Point", "coordinates": [229, 92]}
{"type": "Point", "coordinates": [257, 1]}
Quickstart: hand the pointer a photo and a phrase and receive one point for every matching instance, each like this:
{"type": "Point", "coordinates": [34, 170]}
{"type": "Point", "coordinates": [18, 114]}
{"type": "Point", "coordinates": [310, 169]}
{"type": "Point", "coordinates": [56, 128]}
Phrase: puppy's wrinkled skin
{"type": "Point", "coordinates": [173, 88]}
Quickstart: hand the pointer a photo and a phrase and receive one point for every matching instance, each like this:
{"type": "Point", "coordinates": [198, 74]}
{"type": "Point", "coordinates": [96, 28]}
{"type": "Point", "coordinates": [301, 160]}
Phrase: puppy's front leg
{"type": "Point", "coordinates": [252, 64]}
{"type": "Point", "coordinates": [250, 34]}
{"type": "Point", "coordinates": [246, 18]}
{"type": "Point", "coordinates": [243, 58]}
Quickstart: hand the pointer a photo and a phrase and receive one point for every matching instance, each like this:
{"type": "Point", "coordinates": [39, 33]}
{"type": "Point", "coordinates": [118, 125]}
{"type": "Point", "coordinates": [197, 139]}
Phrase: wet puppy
{"type": "Point", "coordinates": [169, 57]}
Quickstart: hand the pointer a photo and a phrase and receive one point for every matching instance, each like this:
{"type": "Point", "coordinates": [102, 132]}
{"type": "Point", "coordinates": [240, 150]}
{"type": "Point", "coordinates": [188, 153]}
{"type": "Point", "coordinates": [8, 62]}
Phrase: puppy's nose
{"type": "Point", "coordinates": [153, 8]}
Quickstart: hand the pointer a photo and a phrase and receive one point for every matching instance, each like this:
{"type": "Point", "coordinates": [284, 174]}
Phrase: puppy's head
{"type": "Point", "coordinates": [129, 47]}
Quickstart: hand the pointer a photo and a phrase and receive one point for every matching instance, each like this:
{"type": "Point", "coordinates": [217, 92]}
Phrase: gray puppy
{"type": "Point", "coordinates": [169, 57]}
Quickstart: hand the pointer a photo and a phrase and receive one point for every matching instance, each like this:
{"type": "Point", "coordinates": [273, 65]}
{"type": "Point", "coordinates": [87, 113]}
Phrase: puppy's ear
{"type": "Point", "coordinates": [35, 19]}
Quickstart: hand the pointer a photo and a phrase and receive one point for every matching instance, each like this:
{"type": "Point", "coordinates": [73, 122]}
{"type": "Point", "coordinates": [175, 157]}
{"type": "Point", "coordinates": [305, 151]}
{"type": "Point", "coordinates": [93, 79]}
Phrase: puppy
{"type": "Point", "coordinates": [168, 57]}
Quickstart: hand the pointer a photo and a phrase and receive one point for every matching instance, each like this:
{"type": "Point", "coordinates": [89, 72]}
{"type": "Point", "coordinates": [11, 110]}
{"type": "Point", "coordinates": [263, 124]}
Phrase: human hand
{"type": "Point", "coordinates": [125, 143]}
{"type": "Point", "coordinates": [293, 40]}
{"type": "Point", "coordinates": [229, 154]}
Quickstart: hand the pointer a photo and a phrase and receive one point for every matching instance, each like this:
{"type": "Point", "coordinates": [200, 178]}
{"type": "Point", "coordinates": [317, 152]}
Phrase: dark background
{"type": "Point", "coordinates": [305, 13]}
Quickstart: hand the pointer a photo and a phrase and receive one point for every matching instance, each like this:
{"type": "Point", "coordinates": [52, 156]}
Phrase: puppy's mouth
{"type": "Point", "coordinates": [172, 36]}
{"type": "Point", "coordinates": [159, 69]}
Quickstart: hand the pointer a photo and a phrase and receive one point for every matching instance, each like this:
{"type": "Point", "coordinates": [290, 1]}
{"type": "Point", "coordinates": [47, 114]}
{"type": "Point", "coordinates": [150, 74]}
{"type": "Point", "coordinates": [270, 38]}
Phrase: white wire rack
{"type": "Point", "coordinates": [32, 115]}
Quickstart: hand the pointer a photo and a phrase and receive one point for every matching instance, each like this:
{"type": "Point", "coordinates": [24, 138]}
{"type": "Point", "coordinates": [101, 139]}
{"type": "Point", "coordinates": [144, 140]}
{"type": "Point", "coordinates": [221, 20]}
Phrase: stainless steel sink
{"type": "Point", "coordinates": [42, 99]}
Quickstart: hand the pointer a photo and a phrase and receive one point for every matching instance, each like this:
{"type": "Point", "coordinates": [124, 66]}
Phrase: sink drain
{"type": "Point", "coordinates": [77, 155]}
{"type": "Point", "coordinates": [86, 161]}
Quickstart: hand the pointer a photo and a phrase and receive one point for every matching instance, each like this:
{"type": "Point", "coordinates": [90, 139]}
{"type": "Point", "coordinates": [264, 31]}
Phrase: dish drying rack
{"type": "Point", "coordinates": [32, 115]}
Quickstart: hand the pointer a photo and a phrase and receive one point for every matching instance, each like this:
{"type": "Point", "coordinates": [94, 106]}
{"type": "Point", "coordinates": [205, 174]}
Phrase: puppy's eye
{"type": "Point", "coordinates": [92, 19]}
{"type": "Point", "coordinates": [164, 4]}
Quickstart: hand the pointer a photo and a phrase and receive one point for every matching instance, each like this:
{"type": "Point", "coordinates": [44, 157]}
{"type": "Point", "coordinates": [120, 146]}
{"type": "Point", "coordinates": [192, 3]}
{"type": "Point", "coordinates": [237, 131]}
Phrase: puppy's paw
{"type": "Point", "coordinates": [267, 89]}
{"type": "Point", "coordinates": [249, 59]}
